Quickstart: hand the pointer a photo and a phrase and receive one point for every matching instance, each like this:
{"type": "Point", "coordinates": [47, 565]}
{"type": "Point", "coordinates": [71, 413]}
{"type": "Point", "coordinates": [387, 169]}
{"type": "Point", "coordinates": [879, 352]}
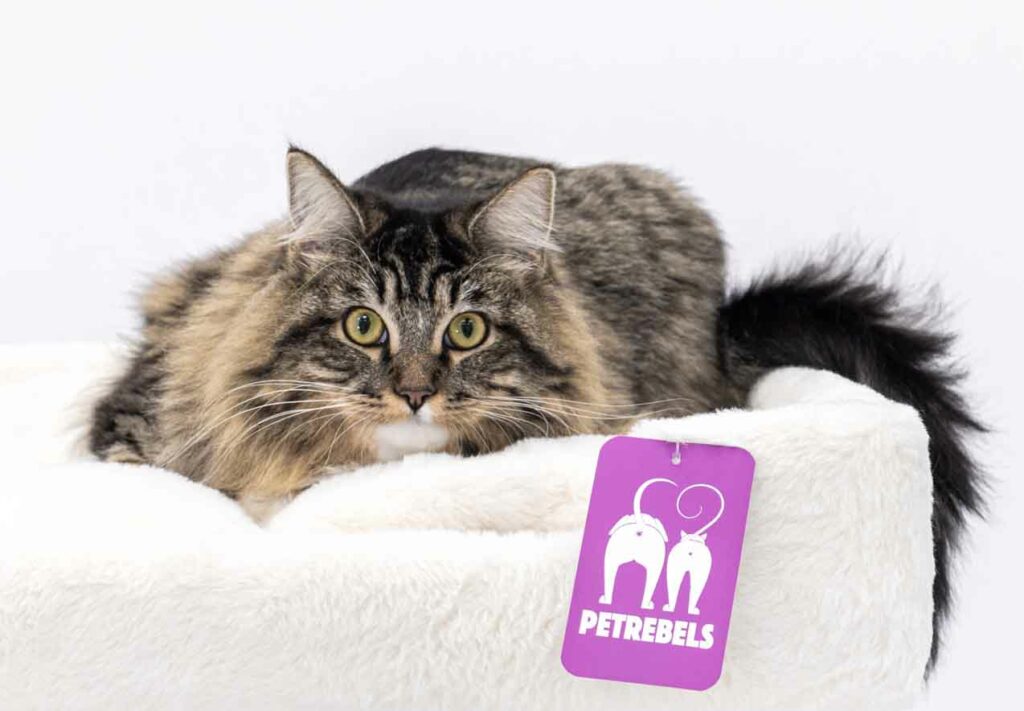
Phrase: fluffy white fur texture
{"type": "Point", "coordinates": [443, 583]}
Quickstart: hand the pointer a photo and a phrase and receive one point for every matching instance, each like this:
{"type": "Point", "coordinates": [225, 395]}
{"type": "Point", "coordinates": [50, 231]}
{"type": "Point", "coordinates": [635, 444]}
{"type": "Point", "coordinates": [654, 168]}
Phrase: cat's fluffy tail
{"type": "Point", "coordinates": [835, 314]}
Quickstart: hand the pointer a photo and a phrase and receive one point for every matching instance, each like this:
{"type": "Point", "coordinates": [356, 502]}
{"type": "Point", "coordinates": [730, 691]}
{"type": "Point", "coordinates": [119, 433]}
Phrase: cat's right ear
{"type": "Point", "coordinates": [319, 205]}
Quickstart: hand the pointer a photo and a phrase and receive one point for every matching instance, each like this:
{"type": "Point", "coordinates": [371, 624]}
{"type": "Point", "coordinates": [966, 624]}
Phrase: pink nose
{"type": "Point", "coordinates": [416, 398]}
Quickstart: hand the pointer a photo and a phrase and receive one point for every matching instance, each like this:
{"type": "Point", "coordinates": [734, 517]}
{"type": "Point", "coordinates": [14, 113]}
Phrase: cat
{"type": "Point", "coordinates": [691, 555]}
{"type": "Point", "coordinates": [455, 301]}
{"type": "Point", "coordinates": [636, 538]}
{"type": "Point", "coordinates": [488, 314]}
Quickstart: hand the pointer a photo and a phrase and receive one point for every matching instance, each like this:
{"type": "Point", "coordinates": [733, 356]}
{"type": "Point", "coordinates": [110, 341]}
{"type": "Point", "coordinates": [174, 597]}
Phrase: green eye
{"type": "Point", "coordinates": [467, 330]}
{"type": "Point", "coordinates": [364, 327]}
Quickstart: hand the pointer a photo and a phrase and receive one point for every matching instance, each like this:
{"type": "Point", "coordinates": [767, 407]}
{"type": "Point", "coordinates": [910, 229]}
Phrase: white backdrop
{"type": "Point", "coordinates": [132, 137]}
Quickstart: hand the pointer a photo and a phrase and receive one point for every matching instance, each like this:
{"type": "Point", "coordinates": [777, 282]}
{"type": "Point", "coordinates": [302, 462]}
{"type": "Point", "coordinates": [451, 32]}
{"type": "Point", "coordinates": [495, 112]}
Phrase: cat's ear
{"type": "Point", "coordinates": [318, 204]}
{"type": "Point", "coordinates": [518, 220]}
{"type": "Point", "coordinates": [703, 537]}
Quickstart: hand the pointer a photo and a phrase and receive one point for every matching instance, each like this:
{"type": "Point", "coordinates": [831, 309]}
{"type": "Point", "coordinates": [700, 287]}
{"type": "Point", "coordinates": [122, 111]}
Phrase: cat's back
{"type": "Point", "coordinates": [649, 264]}
{"type": "Point", "coordinates": [608, 210]}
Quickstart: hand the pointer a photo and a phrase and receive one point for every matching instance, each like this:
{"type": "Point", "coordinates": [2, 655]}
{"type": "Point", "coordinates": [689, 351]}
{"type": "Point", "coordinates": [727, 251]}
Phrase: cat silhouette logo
{"type": "Point", "coordinates": [641, 538]}
{"type": "Point", "coordinates": [691, 556]}
{"type": "Point", "coordinates": [652, 598]}
{"type": "Point", "coordinates": [636, 538]}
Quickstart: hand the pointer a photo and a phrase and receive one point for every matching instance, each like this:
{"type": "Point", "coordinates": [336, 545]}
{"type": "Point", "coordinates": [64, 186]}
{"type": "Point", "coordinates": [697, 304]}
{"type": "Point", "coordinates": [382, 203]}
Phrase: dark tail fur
{"type": "Point", "coordinates": [836, 318]}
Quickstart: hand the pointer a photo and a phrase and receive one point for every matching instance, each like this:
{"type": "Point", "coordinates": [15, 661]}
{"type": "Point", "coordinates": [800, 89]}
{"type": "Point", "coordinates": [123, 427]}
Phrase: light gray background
{"type": "Point", "coordinates": [133, 136]}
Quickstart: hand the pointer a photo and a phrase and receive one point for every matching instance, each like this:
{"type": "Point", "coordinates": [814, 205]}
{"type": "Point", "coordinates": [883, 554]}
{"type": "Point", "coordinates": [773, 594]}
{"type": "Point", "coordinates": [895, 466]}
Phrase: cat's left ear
{"type": "Point", "coordinates": [703, 537]}
{"type": "Point", "coordinates": [519, 220]}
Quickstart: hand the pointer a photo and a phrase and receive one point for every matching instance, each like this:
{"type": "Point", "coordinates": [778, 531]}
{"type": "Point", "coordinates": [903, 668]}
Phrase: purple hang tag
{"type": "Point", "coordinates": [658, 566]}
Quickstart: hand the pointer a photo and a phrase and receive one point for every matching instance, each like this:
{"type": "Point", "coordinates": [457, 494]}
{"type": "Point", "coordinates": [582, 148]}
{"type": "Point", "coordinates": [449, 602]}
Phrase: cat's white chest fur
{"type": "Point", "coordinates": [417, 434]}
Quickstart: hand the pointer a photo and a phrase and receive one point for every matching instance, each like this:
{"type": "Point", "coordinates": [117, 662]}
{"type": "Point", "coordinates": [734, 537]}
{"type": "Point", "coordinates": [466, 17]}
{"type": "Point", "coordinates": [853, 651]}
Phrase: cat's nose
{"type": "Point", "coordinates": [416, 396]}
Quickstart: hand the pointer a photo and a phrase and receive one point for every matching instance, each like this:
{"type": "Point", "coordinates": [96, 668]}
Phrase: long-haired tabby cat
{"type": "Point", "coordinates": [457, 302]}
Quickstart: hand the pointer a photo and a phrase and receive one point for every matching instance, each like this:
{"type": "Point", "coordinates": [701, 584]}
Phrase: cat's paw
{"type": "Point", "coordinates": [647, 605]}
{"type": "Point", "coordinates": [605, 599]}
{"type": "Point", "coordinates": [694, 611]}
{"type": "Point", "coordinates": [669, 607]}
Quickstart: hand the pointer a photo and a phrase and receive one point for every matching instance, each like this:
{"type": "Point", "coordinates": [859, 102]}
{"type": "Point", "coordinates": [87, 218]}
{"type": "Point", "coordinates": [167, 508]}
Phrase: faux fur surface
{"type": "Point", "coordinates": [438, 582]}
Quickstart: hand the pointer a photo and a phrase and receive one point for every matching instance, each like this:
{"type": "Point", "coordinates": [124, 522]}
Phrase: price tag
{"type": "Point", "coordinates": [658, 566]}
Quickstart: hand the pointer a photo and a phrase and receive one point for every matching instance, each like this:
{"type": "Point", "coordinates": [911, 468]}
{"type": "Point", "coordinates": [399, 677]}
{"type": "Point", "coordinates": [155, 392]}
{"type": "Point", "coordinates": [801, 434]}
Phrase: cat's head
{"type": "Point", "coordinates": [404, 330]}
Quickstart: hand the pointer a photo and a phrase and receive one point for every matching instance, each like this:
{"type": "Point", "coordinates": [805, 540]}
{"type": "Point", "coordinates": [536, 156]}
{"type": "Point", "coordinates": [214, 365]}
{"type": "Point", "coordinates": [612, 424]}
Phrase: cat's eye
{"type": "Point", "coordinates": [365, 327]}
{"type": "Point", "coordinates": [467, 330]}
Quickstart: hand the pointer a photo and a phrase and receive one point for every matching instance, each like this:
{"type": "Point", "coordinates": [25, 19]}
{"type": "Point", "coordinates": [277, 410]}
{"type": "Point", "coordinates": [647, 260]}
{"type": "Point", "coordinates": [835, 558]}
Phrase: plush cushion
{"type": "Point", "coordinates": [443, 583]}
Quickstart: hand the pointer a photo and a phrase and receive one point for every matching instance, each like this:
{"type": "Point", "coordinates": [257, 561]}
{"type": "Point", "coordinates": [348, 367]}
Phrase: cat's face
{"type": "Point", "coordinates": [408, 331]}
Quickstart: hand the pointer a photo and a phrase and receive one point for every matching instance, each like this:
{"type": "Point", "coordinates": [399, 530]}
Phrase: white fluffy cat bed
{"type": "Point", "coordinates": [443, 583]}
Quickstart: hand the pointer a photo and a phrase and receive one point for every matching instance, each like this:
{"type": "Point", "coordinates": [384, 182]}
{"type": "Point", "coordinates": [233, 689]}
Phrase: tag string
{"type": "Point", "coordinates": [677, 456]}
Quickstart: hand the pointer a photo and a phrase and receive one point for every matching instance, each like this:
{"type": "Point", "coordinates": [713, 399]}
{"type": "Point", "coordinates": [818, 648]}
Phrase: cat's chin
{"type": "Point", "coordinates": [418, 433]}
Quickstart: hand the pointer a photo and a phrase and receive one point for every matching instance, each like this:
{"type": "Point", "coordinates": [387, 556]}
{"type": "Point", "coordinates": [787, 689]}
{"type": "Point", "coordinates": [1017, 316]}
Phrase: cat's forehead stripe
{"type": "Point", "coordinates": [416, 253]}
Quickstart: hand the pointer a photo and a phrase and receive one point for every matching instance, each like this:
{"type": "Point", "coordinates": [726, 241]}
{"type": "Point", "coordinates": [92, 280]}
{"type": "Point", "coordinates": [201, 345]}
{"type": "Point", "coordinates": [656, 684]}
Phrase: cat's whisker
{"type": "Point", "coordinates": [234, 413]}
{"type": "Point", "coordinates": [327, 420]}
{"type": "Point", "coordinates": [334, 440]}
{"type": "Point", "coordinates": [591, 404]}
{"type": "Point", "coordinates": [331, 412]}
{"type": "Point", "coordinates": [280, 403]}
{"type": "Point", "coordinates": [490, 412]}
{"type": "Point", "coordinates": [544, 413]}
{"type": "Point", "coordinates": [361, 410]}
{"type": "Point", "coordinates": [505, 432]}
{"type": "Point", "coordinates": [549, 405]}
{"type": "Point", "coordinates": [358, 422]}
{"type": "Point", "coordinates": [262, 424]}
{"type": "Point", "coordinates": [287, 381]}
{"type": "Point", "coordinates": [280, 417]}
{"type": "Point", "coordinates": [222, 419]}
{"type": "Point", "coordinates": [601, 404]}
{"type": "Point", "coordinates": [504, 415]}
{"type": "Point", "coordinates": [498, 419]}
{"type": "Point", "coordinates": [561, 414]}
{"type": "Point", "coordinates": [583, 413]}
{"type": "Point", "coordinates": [482, 436]}
{"type": "Point", "coordinates": [617, 418]}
